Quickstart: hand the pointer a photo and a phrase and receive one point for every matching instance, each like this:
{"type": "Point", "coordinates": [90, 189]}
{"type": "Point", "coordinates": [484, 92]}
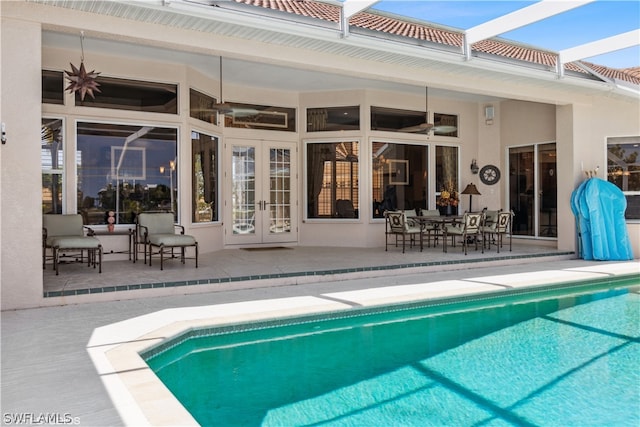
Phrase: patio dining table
{"type": "Point", "coordinates": [439, 223]}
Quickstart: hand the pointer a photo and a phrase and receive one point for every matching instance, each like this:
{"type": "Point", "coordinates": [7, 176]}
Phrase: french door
{"type": "Point", "coordinates": [533, 190]}
{"type": "Point", "coordinates": [261, 204]}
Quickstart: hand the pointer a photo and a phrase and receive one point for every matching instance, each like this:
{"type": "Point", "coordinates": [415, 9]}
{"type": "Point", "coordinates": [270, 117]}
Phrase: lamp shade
{"type": "Point", "coordinates": [471, 190]}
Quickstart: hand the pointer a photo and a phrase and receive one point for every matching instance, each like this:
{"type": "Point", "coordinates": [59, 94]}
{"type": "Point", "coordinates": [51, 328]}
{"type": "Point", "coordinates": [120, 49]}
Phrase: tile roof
{"type": "Point", "coordinates": [424, 31]}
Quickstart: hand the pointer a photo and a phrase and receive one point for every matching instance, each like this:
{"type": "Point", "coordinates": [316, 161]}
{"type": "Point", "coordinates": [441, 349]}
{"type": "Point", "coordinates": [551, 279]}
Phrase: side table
{"type": "Point", "coordinates": [130, 232]}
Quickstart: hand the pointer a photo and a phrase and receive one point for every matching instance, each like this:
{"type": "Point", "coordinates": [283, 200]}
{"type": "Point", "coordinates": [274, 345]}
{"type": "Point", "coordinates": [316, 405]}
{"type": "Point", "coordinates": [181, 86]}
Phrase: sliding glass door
{"type": "Point", "coordinates": [532, 190]}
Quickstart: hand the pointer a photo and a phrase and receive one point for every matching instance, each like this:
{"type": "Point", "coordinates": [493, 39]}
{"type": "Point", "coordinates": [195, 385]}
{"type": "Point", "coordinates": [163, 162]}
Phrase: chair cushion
{"type": "Point", "coordinates": [413, 229]}
{"type": "Point", "coordinates": [74, 242]}
{"type": "Point", "coordinates": [455, 230]}
{"type": "Point", "coordinates": [157, 223]}
{"type": "Point", "coordinates": [430, 212]}
{"type": "Point", "coordinates": [171, 240]}
{"type": "Point", "coordinates": [63, 225]}
{"type": "Point", "coordinates": [503, 222]}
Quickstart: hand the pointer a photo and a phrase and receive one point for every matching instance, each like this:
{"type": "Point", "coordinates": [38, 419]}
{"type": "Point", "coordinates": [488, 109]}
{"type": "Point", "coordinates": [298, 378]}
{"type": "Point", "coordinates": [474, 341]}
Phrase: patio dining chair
{"type": "Point", "coordinates": [497, 230]}
{"type": "Point", "coordinates": [159, 231]}
{"type": "Point", "coordinates": [469, 230]}
{"type": "Point", "coordinates": [398, 226]}
{"type": "Point", "coordinates": [65, 234]}
{"type": "Point", "coordinates": [433, 229]}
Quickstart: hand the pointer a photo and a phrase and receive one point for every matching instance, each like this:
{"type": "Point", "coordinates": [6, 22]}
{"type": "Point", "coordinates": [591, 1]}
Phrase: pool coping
{"type": "Point", "coordinates": [142, 399]}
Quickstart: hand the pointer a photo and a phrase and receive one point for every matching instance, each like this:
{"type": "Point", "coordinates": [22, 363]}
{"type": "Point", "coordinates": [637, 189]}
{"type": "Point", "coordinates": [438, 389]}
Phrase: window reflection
{"type": "Point", "coordinates": [52, 87]}
{"type": "Point", "coordinates": [332, 179]}
{"type": "Point", "coordinates": [201, 107]}
{"type": "Point", "coordinates": [252, 116]}
{"type": "Point", "coordinates": [623, 170]}
{"type": "Point", "coordinates": [399, 177]}
{"type": "Point", "coordinates": [445, 124]}
{"type": "Point", "coordinates": [333, 118]}
{"type": "Point", "coordinates": [136, 95]}
{"type": "Point", "coordinates": [204, 150]}
{"type": "Point", "coordinates": [396, 120]}
{"type": "Point", "coordinates": [125, 169]}
{"type": "Point", "coordinates": [446, 177]}
{"type": "Point", "coordinates": [52, 161]}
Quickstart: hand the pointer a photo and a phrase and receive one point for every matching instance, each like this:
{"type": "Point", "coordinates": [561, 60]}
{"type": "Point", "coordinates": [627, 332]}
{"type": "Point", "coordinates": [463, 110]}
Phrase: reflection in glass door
{"type": "Point", "coordinates": [547, 191]}
{"type": "Point", "coordinates": [243, 191]}
{"type": "Point", "coordinates": [532, 190]}
{"type": "Point", "coordinates": [262, 193]}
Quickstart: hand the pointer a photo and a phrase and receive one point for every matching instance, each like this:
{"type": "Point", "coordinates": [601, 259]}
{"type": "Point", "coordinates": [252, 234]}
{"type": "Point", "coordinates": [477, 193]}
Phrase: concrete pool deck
{"type": "Point", "coordinates": [81, 361]}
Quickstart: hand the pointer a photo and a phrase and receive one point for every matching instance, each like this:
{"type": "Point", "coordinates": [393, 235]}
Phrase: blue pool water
{"type": "Point", "coordinates": [550, 358]}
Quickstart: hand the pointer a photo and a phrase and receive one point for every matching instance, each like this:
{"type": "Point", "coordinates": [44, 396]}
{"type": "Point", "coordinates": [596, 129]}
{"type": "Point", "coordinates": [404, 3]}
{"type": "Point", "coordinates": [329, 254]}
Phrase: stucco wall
{"type": "Point", "coordinates": [607, 118]}
{"type": "Point", "coordinates": [21, 226]}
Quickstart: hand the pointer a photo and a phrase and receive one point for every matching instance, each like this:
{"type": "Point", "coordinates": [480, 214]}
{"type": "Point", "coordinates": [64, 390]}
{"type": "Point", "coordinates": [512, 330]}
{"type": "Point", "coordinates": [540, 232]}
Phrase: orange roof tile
{"type": "Point", "coordinates": [436, 34]}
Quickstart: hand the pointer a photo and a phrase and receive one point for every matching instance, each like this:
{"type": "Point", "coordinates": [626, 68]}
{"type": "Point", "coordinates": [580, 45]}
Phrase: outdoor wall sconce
{"type": "Point", "coordinates": [489, 113]}
{"type": "Point", "coordinates": [474, 167]}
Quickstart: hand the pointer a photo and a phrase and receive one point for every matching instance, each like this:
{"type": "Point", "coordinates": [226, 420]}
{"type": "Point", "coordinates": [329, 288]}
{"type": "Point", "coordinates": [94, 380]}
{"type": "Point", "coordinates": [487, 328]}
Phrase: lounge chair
{"type": "Point", "coordinates": [66, 233]}
{"type": "Point", "coordinates": [158, 230]}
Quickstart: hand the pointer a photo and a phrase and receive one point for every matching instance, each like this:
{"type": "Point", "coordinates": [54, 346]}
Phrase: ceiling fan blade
{"type": "Point", "coordinates": [421, 128]}
{"type": "Point", "coordinates": [222, 108]}
{"type": "Point", "coordinates": [445, 129]}
{"type": "Point", "coordinates": [228, 108]}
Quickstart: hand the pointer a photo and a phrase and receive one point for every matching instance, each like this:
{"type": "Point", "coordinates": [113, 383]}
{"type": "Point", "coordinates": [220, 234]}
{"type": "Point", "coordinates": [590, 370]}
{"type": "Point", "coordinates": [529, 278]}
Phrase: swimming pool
{"type": "Point", "coordinates": [553, 356]}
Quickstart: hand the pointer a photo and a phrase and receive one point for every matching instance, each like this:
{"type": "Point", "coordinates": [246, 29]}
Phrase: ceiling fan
{"type": "Point", "coordinates": [424, 127]}
{"type": "Point", "coordinates": [227, 107]}
{"type": "Point", "coordinates": [427, 127]}
{"type": "Point", "coordinates": [222, 107]}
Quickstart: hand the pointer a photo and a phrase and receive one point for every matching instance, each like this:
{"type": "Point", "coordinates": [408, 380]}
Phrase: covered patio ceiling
{"type": "Point", "coordinates": [267, 73]}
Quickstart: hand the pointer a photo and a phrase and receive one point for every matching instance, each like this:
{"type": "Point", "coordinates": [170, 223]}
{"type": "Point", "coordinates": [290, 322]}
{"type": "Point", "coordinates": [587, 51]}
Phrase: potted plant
{"type": "Point", "coordinates": [449, 199]}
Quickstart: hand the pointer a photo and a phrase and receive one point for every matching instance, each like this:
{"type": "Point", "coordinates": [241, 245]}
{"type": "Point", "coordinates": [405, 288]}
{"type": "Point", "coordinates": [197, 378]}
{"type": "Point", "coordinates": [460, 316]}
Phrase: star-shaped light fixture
{"type": "Point", "coordinates": [79, 79]}
{"type": "Point", "coordinates": [82, 81]}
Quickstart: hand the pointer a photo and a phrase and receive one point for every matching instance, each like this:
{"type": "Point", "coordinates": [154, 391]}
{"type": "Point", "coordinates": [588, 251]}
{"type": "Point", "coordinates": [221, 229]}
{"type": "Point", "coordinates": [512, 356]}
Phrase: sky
{"type": "Point", "coordinates": [591, 22]}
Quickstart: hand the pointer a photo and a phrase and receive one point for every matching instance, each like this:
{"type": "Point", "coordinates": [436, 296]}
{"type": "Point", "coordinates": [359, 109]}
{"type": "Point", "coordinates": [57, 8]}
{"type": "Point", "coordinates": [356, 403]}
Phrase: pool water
{"type": "Point", "coordinates": [522, 359]}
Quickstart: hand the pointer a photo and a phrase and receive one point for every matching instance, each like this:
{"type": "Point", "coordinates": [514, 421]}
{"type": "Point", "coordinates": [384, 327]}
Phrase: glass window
{"type": "Point", "coordinates": [52, 161]}
{"type": "Point", "coordinates": [395, 120]}
{"type": "Point", "coordinates": [52, 87]}
{"type": "Point", "coordinates": [399, 177]}
{"type": "Point", "coordinates": [136, 95]}
{"type": "Point", "coordinates": [201, 107]}
{"type": "Point", "coordinates": [447, 195]}
{"type": "Point", "coordinates": [623, 169]}
{"type": "Point", "coordinates": [445, 124]}
{"type": "Point", "coordinates": [333, 118]}
{"type": "Point", "coordinates": [251, 116]}
{"type": "Point", "coordinates": [204, 149]}
{"type": "Point", "coordinates": [332, 179]}
{"type": "Point", "coordinates": [126, 169]}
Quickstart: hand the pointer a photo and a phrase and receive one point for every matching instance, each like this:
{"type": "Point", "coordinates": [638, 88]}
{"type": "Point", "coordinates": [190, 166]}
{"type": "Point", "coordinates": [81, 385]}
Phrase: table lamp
{"type": "Point", "coordinates": [471, 190]}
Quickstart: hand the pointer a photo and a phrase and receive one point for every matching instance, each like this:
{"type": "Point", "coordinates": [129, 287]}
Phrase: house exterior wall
{"type": "Point", "coordinates": [20, 193]}
{"type": "Point", "coordinates": [579, 128]}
